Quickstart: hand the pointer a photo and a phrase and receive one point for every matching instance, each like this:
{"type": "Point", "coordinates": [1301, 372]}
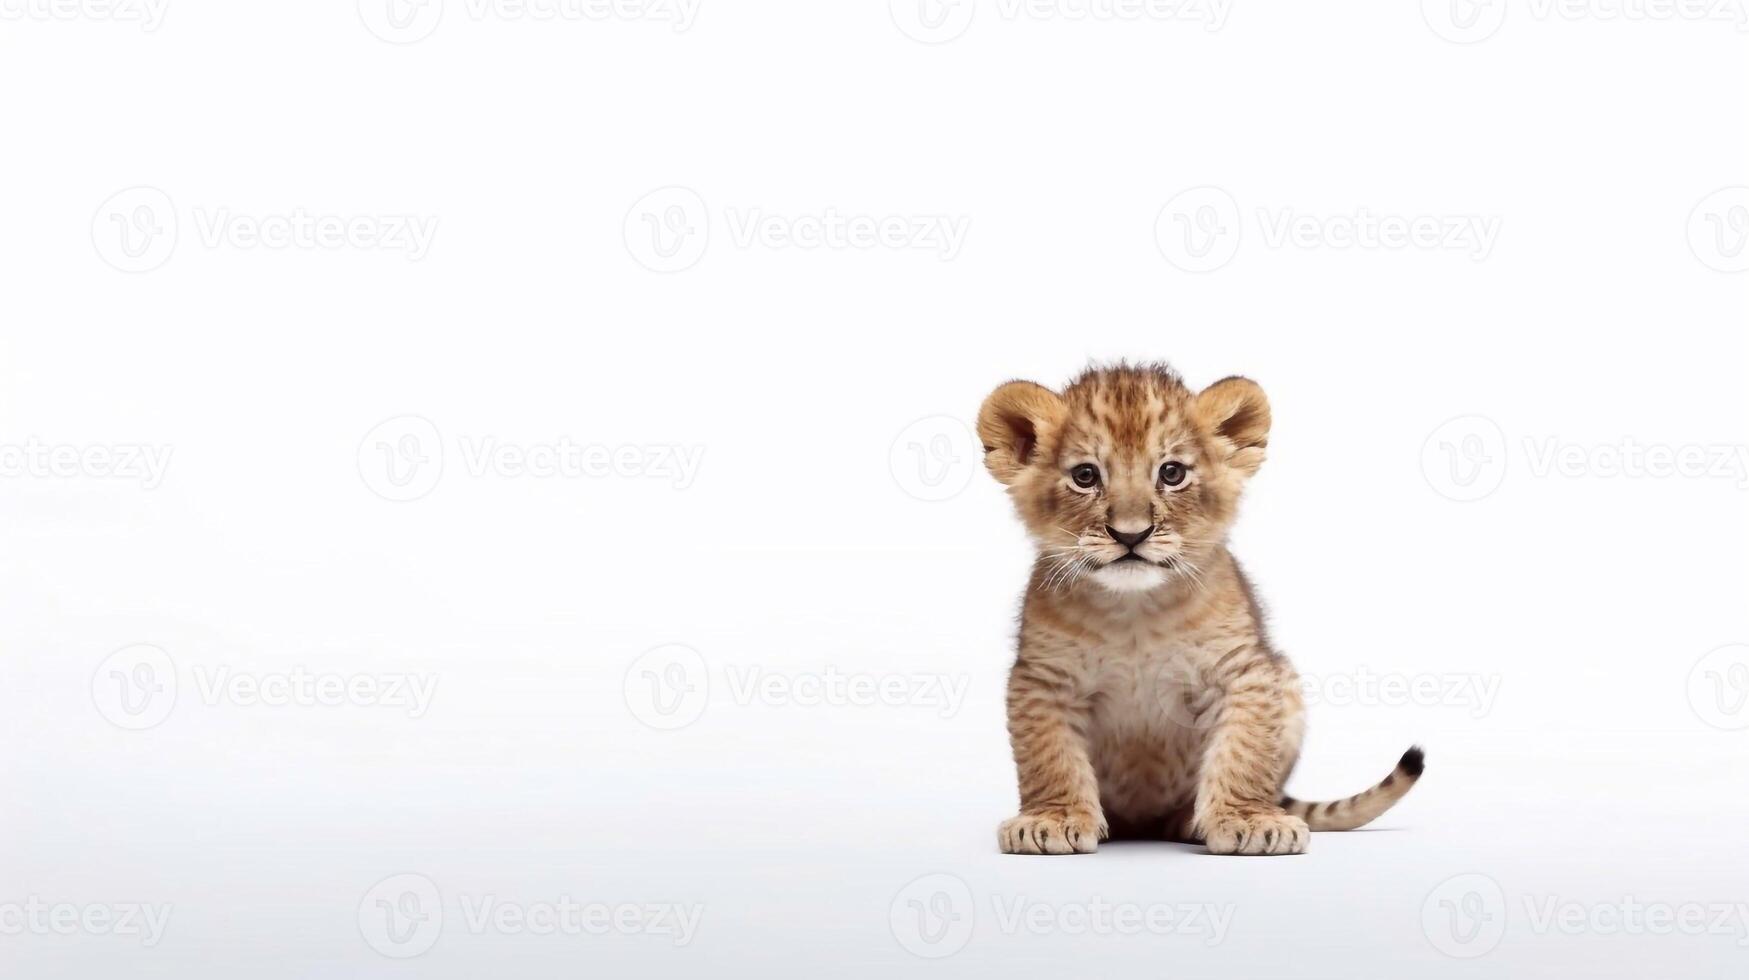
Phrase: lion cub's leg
{"type": "Point", "coordinates": [1059, 792]}
{"type": "Point", "coordinates": [1254, 739]}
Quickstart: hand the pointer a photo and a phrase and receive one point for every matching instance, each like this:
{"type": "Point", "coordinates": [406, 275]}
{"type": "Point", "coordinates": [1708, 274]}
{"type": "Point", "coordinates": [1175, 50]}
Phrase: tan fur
{"type": "Point", "coordinates": [1146, 699]}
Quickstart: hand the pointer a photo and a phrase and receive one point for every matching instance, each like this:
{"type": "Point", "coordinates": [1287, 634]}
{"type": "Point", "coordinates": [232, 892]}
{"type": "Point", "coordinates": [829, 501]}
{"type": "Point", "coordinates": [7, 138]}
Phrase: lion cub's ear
{"type": "Point", "coordinates": [1011, 423]}
{"type": "Point", "coordinates": [1236, 412]}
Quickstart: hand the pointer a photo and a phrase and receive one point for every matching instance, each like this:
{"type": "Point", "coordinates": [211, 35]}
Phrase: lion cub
{"type": "Point", "coordinates": [1146, 699]}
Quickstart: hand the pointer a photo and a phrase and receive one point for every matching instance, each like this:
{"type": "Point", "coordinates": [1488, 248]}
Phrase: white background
{"type": "Point", "coordinates": [826, 529]}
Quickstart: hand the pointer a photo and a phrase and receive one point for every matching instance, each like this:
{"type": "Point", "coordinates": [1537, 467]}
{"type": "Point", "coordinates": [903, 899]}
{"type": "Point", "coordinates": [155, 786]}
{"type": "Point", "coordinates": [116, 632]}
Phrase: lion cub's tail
{"type": "Point", "coordinates": [1365, 807]}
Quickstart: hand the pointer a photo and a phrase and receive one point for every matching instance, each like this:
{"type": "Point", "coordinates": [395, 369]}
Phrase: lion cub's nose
{"type": "Point", "coordinates": [1129, 539]}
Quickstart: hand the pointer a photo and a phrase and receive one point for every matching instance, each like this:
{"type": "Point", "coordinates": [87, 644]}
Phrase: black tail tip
{"type": "Point", "coordinates": [1413, 761]}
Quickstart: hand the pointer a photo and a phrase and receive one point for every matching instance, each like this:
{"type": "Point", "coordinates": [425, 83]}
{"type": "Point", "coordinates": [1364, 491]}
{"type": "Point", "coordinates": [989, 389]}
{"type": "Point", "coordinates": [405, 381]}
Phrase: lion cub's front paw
{"type": "Point", "coordinates": [1258, 833]}
{"type": "Point", "coordinates": [1051, 832]}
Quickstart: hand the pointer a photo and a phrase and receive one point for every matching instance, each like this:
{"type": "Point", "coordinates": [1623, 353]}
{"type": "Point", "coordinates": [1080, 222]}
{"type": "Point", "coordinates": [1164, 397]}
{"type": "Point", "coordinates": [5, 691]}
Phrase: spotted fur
{"type": "Point", "coordinates": [1146, 699]}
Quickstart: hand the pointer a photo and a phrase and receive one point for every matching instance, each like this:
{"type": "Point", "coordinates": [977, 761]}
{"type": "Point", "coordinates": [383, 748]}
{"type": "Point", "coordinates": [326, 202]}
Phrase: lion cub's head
{"type": "Point", "coordinates": [1126, 476]}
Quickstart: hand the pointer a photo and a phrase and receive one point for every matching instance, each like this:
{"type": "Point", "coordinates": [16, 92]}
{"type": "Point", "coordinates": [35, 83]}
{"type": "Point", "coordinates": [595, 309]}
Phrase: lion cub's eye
{"type": "Point", "coordinates": [1172, 474]}
{"type": "Point", "coordinates": [1086, 476]}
